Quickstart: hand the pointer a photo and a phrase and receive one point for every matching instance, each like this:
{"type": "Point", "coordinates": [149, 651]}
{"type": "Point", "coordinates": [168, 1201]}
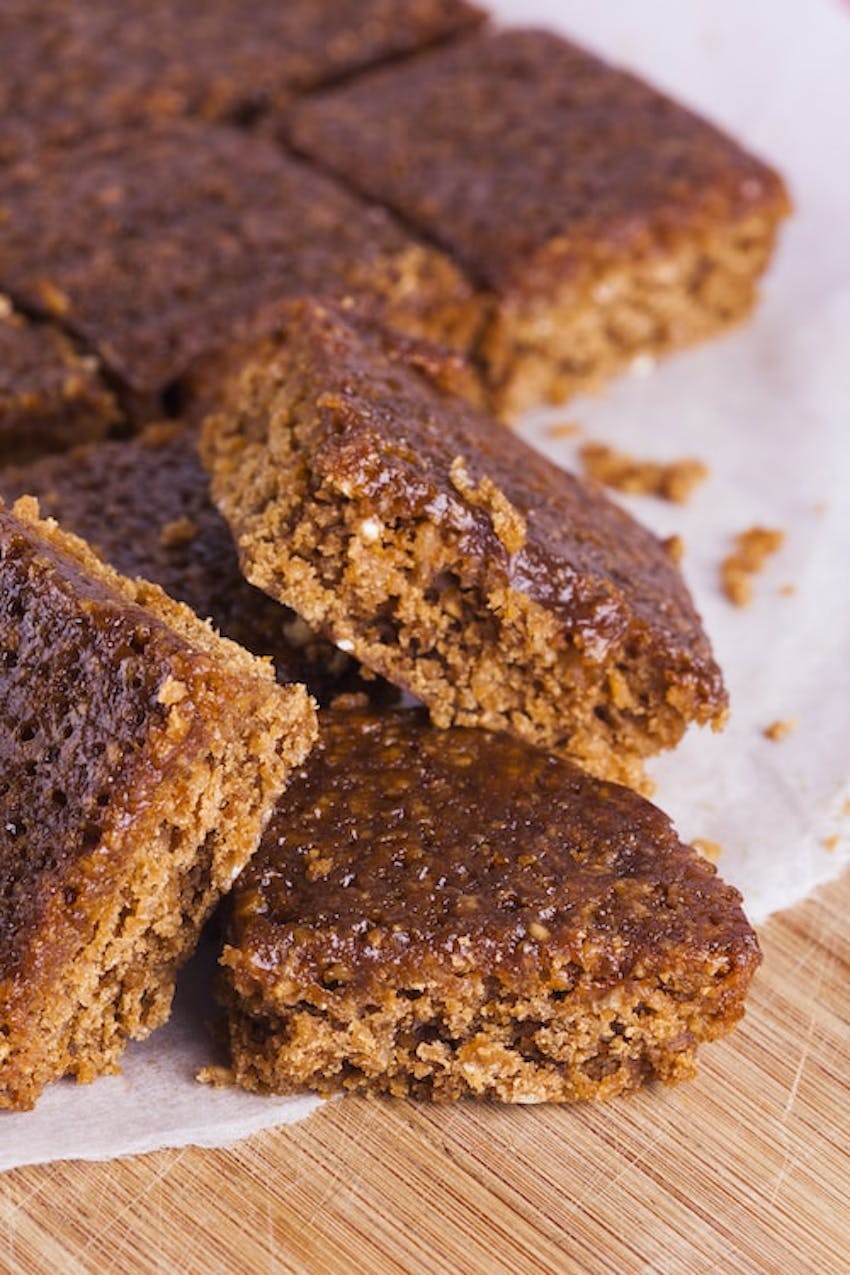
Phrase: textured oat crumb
{"type": "Point", "coordinates": [675, 481]}
{"type": "Point", "coordinates": [508, 522]}
{"type": "Point", "coordinates": [752, 548]}
{"type": "Point", "coordinates": [710, 850]}
{"type": "Point", "coordinates": [779, 729]}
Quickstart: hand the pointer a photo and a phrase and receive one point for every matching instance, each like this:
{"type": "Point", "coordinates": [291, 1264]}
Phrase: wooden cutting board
{"type": "Point", "coordinates": [745, 1170]}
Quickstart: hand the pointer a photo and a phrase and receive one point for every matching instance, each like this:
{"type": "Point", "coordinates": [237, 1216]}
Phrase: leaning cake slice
{"type": "Point", "coordinates": [445, 914]}
{"type": "Point", "coordinates": [449, 556]}
{"type": "Point", "coordinates": [141, 757]}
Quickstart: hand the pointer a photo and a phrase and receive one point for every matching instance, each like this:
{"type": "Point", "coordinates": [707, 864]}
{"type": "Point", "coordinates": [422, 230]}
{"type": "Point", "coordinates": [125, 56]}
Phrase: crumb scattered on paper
{"type": "Point", "coordinates": [830, 843]}
{"type": "Point", "coordinates": [563, 429]}
{"type": "Point", "coordinates": [708, 849]}
{"type": "Point", "coordinates": [674, 547]}
{"type": "Point", "coordinates": [675, 480]}
{"type": "Point", "coordinates": [752, 548]}
{"type": "Point", "coordinates": [217, 1076]}
{"type": "Point", "coordinates": [779, 729]}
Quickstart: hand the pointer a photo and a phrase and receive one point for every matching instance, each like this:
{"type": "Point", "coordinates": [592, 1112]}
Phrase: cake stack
{"type": "Point", "coordinates": [289, 616]}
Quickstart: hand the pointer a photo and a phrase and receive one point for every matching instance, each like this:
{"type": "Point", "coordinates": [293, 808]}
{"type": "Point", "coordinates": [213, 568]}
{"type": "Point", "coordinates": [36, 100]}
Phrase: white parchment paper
{"type": "Point", "coordinates": [768, 408]}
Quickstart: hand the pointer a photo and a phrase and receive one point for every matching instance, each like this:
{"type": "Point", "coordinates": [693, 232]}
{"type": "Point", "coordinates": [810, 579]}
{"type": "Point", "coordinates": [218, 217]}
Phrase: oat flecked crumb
{"type": "Point", "coordinates": [708, 849]}
{"type": "Point", "coordinates": [675, 481]}
{"type": "Point", "coordinates": [779, 729]}
{"type": "Point", "coordinates": [752, 548]}
{"type": "Point", "coordinates": [508, 522]}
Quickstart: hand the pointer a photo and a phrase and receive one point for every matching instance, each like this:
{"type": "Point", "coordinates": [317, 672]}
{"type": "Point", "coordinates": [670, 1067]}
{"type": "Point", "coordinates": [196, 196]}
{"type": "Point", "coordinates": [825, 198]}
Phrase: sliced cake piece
{"type": "Point", "coordinates": [450, 557]}
{"type": "Point", "coordinates": [607, 220]}
{"type": "Point", "coordinates": [181, 235]}
{"type": "Point", "coordinates": [141, 757]}
{"type": "Point", "coordinates": [143, 504]}
{"type": "Point", "coordinates": [452, 913]}
{"type": "Point", "coordinates": [76, 68]}
{"type": "Point", "coordinates": [51, 397]}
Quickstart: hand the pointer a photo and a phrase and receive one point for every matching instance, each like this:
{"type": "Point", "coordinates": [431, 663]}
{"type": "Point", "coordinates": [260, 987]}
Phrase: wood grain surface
{"type": "Point", "coordinates": [744, 1170]}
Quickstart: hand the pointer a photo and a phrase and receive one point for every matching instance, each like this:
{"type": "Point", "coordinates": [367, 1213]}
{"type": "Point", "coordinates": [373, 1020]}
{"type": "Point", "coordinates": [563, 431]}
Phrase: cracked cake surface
{"type": "Point", "coordinates": [451, 913]}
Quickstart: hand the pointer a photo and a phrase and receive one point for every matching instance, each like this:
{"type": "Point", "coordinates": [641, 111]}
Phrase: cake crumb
{"type": "Point", "coordinates": [830, 843]}
{"type": "Point", "coordinates": [563, 429]}
{"type": "Point", "coordinates": [508, 523]}
{"type": "Point", "coordinates": [674, 547]}
{"type": "Point", "coordinates": [53, 299]}
{"type": "Point", "coordinates": [180, 531]}
{"type": "Point", "coordinates": [675, 481]}
{"type": "Point", "coordinates": [708, 849]}
{"type": "Point", "coordinates": [752, 548]}
{"type": "Point", "coordinates": [217, 1076]}
{"type": "Point", "coordinates": [779, 729]}
{"type": "Point", "coordinates": [787, 590]}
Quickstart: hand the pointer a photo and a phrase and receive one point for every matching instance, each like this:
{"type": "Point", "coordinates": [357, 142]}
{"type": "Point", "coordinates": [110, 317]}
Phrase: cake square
{"type": "Point", "coordinates": [77, 68]}
{"type": "Point", "coordinates": [606, 220]}
{"type": "Point", "coordinates": [51, 396]}
{"type": "Point", "coordinates": [447, 555]}
{"type": "Point", "coordinates": [447, 914]}
{"type": "Point", "coordinates": [141, 758]}
{"type": "Point", "coordinates": [144, 505]}
{"type": "Point", "coordinates": [183, 233]}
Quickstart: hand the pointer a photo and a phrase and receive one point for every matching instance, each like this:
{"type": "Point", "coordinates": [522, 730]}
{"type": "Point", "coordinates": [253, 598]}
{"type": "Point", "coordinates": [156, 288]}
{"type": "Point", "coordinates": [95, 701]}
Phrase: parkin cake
{"type": "Point", "coordinates": [141, 758]}
{"type": "Point", "coordinates": [448, 914]}
{"type": "Point", "coordinates": [605, 220]}
{"type": "Point", "coordinates": [181, 235]}
{"type": "Point", "coordinates": [448, 556]}
{"type": "Point", "coordinates": [71, 69]}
